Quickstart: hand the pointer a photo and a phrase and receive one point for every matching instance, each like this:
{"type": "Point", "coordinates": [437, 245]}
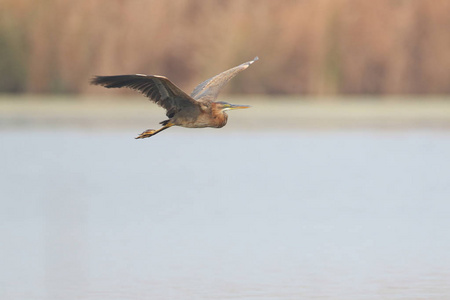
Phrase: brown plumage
{"type": "Point", "coordinates": [197, 110]}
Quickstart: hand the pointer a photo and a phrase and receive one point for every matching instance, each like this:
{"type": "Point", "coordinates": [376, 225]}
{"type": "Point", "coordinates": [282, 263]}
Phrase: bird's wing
{"type": "Point", "coordinates": [158, 88]}
{"type": "Point", "coordinates": [209, 89]}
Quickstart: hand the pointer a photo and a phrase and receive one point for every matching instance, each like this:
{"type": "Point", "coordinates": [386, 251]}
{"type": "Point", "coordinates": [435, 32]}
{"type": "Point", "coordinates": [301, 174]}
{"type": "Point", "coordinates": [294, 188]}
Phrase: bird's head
{"type": "Point", "coordinates": [223, 106]}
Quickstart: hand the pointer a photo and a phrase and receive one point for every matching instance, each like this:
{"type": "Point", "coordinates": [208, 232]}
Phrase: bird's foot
{"type": "Point", "coordinates": [152, 132]}
{"type": "Point", "coordinates": [146, 134]}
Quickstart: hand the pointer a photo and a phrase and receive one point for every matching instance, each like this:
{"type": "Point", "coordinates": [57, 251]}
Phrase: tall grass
{"type": "Point", "coordinates": [305, 46]}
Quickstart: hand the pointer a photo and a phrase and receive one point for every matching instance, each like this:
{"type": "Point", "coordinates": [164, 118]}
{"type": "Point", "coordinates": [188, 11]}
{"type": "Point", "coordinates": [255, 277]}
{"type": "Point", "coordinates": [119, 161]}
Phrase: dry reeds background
{"type": "Point", "coordinates": [305, 46]}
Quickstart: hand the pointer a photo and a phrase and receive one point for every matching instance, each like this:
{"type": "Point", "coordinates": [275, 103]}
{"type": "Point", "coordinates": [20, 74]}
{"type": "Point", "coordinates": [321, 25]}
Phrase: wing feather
{"type": "Point", "coordinates": [158, 88]}
{"type": "Point", "coordinates": [209, 89]}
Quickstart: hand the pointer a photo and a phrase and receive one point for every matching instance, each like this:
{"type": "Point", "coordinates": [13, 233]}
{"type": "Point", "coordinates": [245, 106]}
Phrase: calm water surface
{"type": "Point", "coordinates": [224, 215]}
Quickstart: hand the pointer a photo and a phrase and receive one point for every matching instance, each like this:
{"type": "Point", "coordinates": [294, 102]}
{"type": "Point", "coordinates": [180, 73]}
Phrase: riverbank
{"type": "Point", "coordinates": [266, 112]}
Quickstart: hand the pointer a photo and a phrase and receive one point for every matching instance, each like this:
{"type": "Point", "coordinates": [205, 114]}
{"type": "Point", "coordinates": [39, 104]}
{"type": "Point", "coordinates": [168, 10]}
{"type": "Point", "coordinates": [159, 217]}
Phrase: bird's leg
{"type": "Point", "coordinates": [152, 132]}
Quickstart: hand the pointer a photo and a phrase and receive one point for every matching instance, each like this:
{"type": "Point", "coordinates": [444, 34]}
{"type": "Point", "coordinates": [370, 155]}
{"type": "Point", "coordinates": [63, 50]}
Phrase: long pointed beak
{"type": "Point", "coordinates": [237, 106]}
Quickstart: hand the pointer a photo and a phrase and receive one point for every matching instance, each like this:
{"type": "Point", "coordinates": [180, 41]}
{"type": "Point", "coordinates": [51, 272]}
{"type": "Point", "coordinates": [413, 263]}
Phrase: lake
{"type": "Point", "coordinates": [220, 214]}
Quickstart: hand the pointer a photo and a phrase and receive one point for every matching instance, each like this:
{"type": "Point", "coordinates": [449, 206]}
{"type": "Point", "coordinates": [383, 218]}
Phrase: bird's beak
{"type": "Point", "coordinates": [237, 106]}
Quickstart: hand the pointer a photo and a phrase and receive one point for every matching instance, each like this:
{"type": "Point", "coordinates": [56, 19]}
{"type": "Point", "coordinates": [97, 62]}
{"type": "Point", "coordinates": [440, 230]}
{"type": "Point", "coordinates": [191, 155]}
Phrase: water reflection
{"type": "Point", "coordinates": [331, 215]}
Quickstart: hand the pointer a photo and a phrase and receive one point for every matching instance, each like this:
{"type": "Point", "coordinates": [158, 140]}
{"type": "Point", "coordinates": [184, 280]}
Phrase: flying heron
{"type": "Point", "coordinates": [198, 110]}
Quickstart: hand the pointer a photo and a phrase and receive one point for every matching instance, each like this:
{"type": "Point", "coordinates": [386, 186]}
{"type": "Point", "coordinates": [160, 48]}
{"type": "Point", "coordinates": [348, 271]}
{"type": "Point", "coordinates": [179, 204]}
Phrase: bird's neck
{"type": "Point", "coordinates": [224, 119]}
{"type": "Point", "coordinates": [220, 118]}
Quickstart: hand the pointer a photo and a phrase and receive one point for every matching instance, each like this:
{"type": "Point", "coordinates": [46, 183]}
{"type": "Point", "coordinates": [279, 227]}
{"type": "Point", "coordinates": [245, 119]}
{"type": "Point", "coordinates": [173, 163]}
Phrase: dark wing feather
{"type": "Point", "coordinates": [209, 89]}
{"type": "Point", "coordinates": [158, 88]}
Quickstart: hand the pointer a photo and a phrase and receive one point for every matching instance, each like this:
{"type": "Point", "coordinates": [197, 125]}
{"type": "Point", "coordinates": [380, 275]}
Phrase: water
{"type": "Point", "coordinates": [224, 215]}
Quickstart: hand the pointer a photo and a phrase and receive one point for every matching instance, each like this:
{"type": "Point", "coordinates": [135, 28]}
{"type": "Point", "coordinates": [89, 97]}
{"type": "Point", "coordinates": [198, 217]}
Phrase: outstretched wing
{"type": "Point", "coordinates": [209, 89]}
{"type": "Point", "coordinates": [158, 88]}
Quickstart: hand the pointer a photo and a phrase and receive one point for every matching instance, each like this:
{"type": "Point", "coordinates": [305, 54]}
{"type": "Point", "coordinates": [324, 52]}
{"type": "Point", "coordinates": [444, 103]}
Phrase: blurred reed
{"type": "Point", "coordinates": [306, 47]}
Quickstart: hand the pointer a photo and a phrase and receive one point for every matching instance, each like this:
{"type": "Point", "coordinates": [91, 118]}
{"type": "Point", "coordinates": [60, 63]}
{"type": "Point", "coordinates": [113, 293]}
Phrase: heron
{"type": "Point", "coordinates": [197, 110]}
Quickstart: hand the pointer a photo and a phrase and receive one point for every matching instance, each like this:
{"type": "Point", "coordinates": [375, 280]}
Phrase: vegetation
{"type": "Point", "coordinates": [305, 46]}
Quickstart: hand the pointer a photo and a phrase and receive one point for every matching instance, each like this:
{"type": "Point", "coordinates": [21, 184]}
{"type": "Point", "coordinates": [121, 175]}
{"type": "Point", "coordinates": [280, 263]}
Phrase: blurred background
{"type": "Point", "coordinates": [334, 185]}
{"type": "Point", "coordinates": [306, 47]}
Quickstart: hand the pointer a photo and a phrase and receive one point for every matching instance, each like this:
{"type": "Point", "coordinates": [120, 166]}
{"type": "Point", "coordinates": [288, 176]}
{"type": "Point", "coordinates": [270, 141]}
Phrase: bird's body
{"type": "Point", "coordinates": [198, 110]}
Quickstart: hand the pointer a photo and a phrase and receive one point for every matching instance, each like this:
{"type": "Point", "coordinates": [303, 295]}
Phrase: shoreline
{"type": "Point", "coordinates": [266, 112]}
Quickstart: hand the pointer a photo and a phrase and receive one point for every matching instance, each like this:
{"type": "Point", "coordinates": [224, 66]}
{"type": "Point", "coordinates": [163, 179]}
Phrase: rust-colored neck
{"type": "Point", "coordinates": [219, 117]}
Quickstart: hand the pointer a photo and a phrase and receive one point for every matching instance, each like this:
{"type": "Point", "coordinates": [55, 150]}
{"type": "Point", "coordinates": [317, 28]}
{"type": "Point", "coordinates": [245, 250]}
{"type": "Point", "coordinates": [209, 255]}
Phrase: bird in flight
{"type": "Point", "coordinates": [197, 110]}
